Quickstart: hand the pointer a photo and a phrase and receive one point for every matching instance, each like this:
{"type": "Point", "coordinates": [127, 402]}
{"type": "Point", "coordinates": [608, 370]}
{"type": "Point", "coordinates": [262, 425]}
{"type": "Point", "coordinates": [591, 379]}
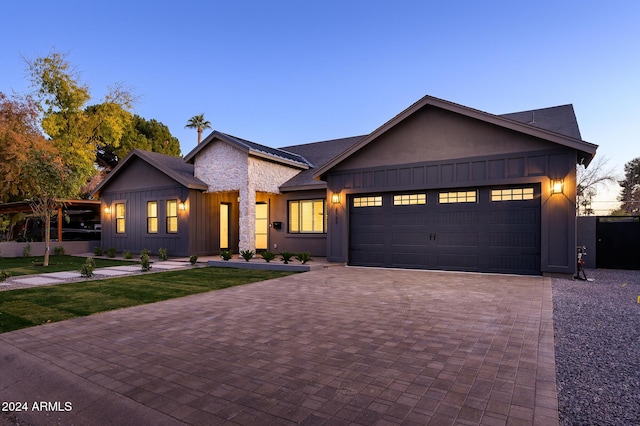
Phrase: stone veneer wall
{"type": "Point", "coordinates": [225, 168]}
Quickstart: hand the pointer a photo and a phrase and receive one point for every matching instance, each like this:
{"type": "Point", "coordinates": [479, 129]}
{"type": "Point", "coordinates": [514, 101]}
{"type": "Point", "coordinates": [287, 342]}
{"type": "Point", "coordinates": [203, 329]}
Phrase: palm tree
{"type": "Point", "coordinates": [198, 122]}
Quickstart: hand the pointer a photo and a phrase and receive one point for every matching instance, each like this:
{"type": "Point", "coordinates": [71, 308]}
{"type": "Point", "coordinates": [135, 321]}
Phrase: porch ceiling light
{"type": "Point", "coordinates": [557, 186]}
{"type": "Point", "coordinates": [335, 198]}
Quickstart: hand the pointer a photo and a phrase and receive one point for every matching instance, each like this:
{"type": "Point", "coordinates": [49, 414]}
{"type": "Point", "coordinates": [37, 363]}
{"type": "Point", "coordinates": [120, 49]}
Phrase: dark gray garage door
{"type": "Point", "coordinates": [472, 229]}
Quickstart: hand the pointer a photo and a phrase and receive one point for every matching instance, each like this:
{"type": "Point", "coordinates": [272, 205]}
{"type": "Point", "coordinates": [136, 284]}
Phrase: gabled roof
{"type": "Point", "coordinates": [174, 167]}
{"type": "Point", "coordinates": [251, 148]}
{"type": "Point", "coordinates": [515, 122]}
{"type": "Point", "coordinates": [318, 154]}
{"type": "Point", "coordinates": [560, 119]}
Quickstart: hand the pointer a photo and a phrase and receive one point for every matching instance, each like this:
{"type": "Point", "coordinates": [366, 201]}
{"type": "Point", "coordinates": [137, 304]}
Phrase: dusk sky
{"type": "Point", "coordinates": [289, 72]}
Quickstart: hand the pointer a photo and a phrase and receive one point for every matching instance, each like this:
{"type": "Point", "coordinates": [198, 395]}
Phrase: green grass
{"type": "Point", "coordinates": [33, 265]}
{"type": "Point", "coordinates": [41, 305]}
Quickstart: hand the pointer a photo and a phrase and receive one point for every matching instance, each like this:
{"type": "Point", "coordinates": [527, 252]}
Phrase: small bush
{"type": "Point", "coordinates": [4, 275]}
{"type": "Point", "coordinates": [145, 262]}
{"type": "Point", "coordinates": [268, 256]}
{"type": "Point", "coordinates": [193, 259]}
{"type": "Point", "coordinates": [163, 254]}
{"type": "Point", "coordinates": [247, 254]}
{"type": "Point", "coordinates": [286, 256]}
{"type": "Point", "coordinates": [98, 251]}
{"type": "Point", "coordinates": [86, 270]}
{"type": "Point", "coordinates": [127, 255]}
{"type": "Point", "coordinates": [111, 252]}
{"type": "Point", "coordinates": [59, 251]}
{"type": "Point", "coordinates": [304, 257]}
{"type": "Point", "coordinates": [26, 251]}
{"type": "Point", "coordinates": [145, 251]}
{"type": "Point", "coordinates": [226, 254]}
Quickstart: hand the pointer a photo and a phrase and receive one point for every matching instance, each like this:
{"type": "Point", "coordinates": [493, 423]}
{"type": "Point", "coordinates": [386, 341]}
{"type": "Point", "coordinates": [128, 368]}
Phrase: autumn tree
{"type": "Point", "coordinates": [630, 193]}
{"type": "Point", "coordinates": [589, 182]}
{"type": "Point", "coordinates": [46, 181]}
{"type": "Point", "coordinates": [77, 130]}
{"type": "Point", "coordinates": [199, 123]}
{"type": "Point", "coordinates": [19, 134]}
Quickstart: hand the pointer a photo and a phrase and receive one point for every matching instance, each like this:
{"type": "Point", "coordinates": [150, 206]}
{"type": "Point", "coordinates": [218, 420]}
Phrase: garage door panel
{"type": "Point", "coordinates": [475, 234]}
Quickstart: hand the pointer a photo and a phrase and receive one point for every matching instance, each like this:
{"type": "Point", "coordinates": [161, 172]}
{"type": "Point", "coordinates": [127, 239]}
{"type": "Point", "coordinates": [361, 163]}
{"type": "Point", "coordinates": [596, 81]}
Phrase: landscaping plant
{"type": "Point", "coordinates": [111, 252]}
{"type": "Point", "coordinates": [193, 259]}
{"type": "Point", "coordinates": [127, 254]}
{"type": "Point", "coordinates": [247, 254]}
{"type": "Point", "coordinates": [86, 270]}
{"type": "Point", "coordinates": [98, 251]}
{"type": "Point", "coordinates": [268, 256]}
{"type": "Point", "coordinates": [4, 275]}
{"type": "Point", "coordinates": [163, 254]}
{"type": "Point", "coordinates": [286, 256]}
{"type": "Point", "coordinates": [59, 251]}
{"type": "Point", "coordinates": [226, 254]}
{"type": "Point", "coordinates": [145, 262]}
{"type": "Point", "coordinates": [304, 257]}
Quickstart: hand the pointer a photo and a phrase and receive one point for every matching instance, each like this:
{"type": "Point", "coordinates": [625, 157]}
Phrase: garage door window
{"type": "Point", "coordinates": [458, 197]}
{"type": "Point", "coordinates": [512, 194]}
{"type": "Point", "coordinates": [409, 199]}
{"type": "Point", "coordinates": [367, 201]}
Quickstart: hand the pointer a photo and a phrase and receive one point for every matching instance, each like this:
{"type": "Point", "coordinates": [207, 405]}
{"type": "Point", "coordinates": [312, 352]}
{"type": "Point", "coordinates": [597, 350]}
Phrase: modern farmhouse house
{"type": "Point", "coordinates": [439, 186]}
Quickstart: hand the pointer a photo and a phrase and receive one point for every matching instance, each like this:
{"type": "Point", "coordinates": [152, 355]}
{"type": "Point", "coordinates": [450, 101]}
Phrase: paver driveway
{"type": "Point", "coordinates": [334, 346]}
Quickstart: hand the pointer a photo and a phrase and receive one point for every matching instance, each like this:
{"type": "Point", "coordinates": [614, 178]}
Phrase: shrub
{"type": "Point", "coordinates": [26, 251]}
{"type": "Point", "coordinates": [86, 270]}
{"type": "Point", "coordinates": [145, 262]}
{"type": "Point", "coordinates": [59, 251]}
{"type": "Point", "coordinates": [304, 257]}
{"type": "Point", "coordinates": [163, 254]}
{"type": "Point", "coordinates": [193, 259]}
{"type": "Point", "coordinates": [286, 256]}
{"type": "Point", "coordinates": [111, 252]}
{"type": "Point", "coordinates": [247, 254]}
{"type": "Point", "coordinates": [226, 254]}
{"type": "Point", "coordinates": [268, 256]}
{"type": "Point", "coordinates": [98, 251]}
{"type": "Point", "coordinates": [127, 255]}
{"type": "Point", "coordinates": [145, 251]}
{"type": "Point", "coordinates": [4, 275]}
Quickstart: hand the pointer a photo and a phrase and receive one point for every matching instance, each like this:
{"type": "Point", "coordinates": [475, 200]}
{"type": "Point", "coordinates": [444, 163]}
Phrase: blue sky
{"type": "Point", "coordinates": [288, 72]}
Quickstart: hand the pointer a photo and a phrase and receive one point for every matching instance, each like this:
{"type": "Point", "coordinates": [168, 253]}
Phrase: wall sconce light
{"type": "Point", "coordinates": [557, 186]}
{"type": "Point", "coordinates": [182, 206]}
{"type": "Point", "coordinates": [107, 210]}
{"type": "Point", "coordinates": [335, 198]}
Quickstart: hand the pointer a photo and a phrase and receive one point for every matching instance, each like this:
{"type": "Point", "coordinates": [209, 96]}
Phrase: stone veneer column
{"type": "Point", "coordinates": [247, 217]}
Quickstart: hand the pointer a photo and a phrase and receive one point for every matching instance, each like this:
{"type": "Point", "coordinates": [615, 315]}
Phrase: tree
{"type": "Point", "coordinates": [630, 193]}
{"type": "Point", "coordinates": [46, 181]}
{"type": "Point", "coordinates": [198, 122]}
{"type": "Point", "coordinates": [588, 182]}
{"type": "Point", "coordinates": [19, 134]}
{"type": "Point", "coordinates": [77, 131]}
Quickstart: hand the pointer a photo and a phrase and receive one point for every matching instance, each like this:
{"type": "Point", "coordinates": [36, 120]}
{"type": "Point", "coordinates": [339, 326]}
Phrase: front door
{"type": "Point", "coordinates": [262, 226]}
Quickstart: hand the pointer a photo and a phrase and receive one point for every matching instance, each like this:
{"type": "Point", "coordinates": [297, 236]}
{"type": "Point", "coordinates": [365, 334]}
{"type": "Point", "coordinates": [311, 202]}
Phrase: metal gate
{"type": "Point", "coordinates": [618, 242]}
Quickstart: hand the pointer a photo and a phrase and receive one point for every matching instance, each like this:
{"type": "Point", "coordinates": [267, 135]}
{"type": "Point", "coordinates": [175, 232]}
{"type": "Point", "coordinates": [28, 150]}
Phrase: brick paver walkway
{"type": "Point", "coordinates": [333, 346]}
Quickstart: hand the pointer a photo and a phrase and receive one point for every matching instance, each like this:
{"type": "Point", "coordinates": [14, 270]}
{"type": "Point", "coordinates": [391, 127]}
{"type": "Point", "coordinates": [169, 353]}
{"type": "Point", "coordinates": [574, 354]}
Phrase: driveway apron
{"type": "Point", "coordinates": [340, 345]}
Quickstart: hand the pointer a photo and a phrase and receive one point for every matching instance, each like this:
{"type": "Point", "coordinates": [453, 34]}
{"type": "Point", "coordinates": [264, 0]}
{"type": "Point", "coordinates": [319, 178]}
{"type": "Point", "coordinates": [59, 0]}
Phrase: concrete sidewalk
{"type": "Point", "coordinates": [333, 346]}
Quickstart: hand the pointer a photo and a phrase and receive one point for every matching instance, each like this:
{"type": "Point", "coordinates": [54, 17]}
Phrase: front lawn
{"type": "Point", "coordinates": [41, 305]}
{"type": "Point", "coordinates": [33, 264]}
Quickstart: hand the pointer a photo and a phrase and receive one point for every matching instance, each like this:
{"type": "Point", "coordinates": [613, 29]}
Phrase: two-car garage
{"type": "Point", "coordinates": [483, 229]}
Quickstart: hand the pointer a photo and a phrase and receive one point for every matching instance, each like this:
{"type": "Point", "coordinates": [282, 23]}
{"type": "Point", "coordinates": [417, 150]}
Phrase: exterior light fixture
{"type": "Point", "coordinates": [557, 186]}
{"type": "Point", "coordinates": [107, 210]}
{"type": "Point", "coordinates": [335, 198]}
{"type": "Point", "coordinates": [182, 206]}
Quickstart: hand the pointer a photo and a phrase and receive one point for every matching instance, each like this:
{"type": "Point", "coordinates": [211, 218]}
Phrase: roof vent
{"type": "Point", "coordinates": [533, 118]}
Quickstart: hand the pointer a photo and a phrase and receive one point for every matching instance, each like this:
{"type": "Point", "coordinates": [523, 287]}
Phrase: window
{"type": "Point", "coordinates": [152, 217]}
{"type": "Point", "coordinates": [307, 216]}
{"type": "Point", "coordinates": [457, 197]}
{"type": "Point", "coordinates": [120, 211]}
{"type": "Point", "coordinates": [172, 216]}
{"type": "Point", "coordinates": [409, 199]}
{"type": "Point", "coordinates": [368, 201]}
{"type": "Point", "coordinates": [512, 194]}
